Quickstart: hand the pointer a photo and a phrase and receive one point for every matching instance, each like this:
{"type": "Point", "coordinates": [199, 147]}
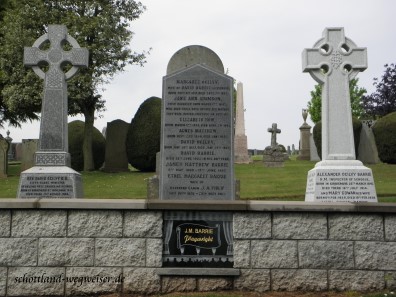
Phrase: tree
{"type": "Point", "coordinates": [356, 93]}
{"type": "Point", "coordinates": [102, 26]}
{"type": "Point", "coordinates": [383, 100]}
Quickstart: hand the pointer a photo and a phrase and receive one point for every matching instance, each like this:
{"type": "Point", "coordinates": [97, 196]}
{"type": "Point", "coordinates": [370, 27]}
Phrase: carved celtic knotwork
{"type": "Point", "coordinates": [336, 59]}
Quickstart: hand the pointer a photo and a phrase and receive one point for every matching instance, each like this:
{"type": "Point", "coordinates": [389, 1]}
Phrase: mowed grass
{"type": "Point", "coordinates": [257, 182]}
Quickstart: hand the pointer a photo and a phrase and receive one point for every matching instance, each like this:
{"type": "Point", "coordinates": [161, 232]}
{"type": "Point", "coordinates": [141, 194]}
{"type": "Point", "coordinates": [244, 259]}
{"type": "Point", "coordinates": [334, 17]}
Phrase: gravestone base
{"type": "Point", "coordinates": [273, 157]}
{"type": "Point", "coordinates": [50, 182]}
{"type": "Point", "coordinates": [153, 187]}
{"type": "Point", "coordinates": [241, 155]}
{"type": "Point", "coordinates": [340, 181]}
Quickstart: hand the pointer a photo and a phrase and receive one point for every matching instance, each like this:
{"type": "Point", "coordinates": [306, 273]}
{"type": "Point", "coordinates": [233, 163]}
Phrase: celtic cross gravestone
{"type": "Point", "coordinates": [333, 61]}
{"type": "Point", "coordinates": [51, 176]}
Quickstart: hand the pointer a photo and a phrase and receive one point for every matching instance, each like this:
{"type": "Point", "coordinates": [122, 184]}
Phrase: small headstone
{"type": "Point", "coordinates": [367, 151]}
{"type": "Point", "coordinates": [28, 150]}
{"type": "Point", "coordinates": [196, 162]}
{"type": "Point", "coordinates": [116, 159]}
{"type": "Point", "coordinates": [273, 155]}
{"type": "Point", "coordinates": [293, 149]}
{"type": "Point", "coordinates": [305, 132]}
{"type": "Point", "coordinates": [333, 61]}
{"type": "Point", "coordinates": [4, 146]}
{"type": "Point", "coordinates": [289, 150]}
{"type": "Point", "coordinates": [240, 140]}
{"type": "Point", "coordinates": [51, 177]}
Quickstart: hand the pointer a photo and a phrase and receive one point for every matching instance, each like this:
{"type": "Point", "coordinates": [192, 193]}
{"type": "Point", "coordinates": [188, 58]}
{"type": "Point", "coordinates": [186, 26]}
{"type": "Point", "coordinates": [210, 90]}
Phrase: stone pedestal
{"type": "Point", "coordinates": [273, 157]}
{"type": "Point", "coordinates": [304, 153]}
{"type": "Point", "coordinates": [50, 182]}
{"type": "Point", "coordinates": [241, 155]}
{"type": "Point", "coordinates": [340, 181]}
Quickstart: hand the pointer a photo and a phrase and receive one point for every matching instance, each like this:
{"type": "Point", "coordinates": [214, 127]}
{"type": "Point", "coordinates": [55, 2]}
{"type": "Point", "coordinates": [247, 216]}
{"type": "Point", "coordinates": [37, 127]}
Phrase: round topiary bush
{"type": "Point", "coordinates": [76, 137]}
{"type": "Point", "coordinates": [385, 137]}
{"type": "Point", "coordinates": [317, 135]}
{"type": "Point", "coordinates": [143, 139]}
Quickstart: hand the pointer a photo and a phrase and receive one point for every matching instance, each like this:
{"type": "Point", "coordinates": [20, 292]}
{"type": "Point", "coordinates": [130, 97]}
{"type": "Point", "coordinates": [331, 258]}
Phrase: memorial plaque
{"type": "Point", "coordinates": [197, 135]}
{"type": "Point", "coordinates": [340, 185]}
{"type": "Point", "coordinates": [45, 185]}
{"type": "Point", "coordinates": [198, 239]}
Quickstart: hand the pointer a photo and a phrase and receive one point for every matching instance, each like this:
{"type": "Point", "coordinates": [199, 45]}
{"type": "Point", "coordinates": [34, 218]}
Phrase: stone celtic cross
{"type": "Point", "coordinates": [274, 130]}
{"type": "Point", "coordinates": [53, 128]}
{"type": "Point", "coordinates": [333, 61]}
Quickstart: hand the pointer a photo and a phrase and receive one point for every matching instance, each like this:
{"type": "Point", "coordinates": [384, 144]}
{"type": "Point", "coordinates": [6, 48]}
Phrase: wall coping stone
{"type": "Point", "coordinates": [216, 205]}
{"type": "Point", "coordinates": [198, 271]}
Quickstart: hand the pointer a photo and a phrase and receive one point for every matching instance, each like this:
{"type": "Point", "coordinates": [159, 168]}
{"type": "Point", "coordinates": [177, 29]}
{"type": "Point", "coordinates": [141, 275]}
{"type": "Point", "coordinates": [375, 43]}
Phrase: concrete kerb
{"type": "Point", "coordinates": [215, 205]}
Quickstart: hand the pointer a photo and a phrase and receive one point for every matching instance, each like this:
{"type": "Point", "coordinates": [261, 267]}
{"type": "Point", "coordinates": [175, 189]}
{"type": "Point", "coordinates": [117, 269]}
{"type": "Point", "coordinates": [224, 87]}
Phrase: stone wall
{"type": "Point", "coordinates": [288, 246]}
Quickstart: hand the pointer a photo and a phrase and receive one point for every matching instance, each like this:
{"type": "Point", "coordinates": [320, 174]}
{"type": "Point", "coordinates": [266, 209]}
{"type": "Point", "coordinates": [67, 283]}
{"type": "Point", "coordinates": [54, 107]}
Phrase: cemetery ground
{"type": "Point", "coordinates": [257, 182]}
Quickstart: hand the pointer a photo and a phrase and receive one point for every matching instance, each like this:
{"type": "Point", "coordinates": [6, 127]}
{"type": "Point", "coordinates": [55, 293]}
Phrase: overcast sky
{"type": "Point", "coordinates": [260, 43]}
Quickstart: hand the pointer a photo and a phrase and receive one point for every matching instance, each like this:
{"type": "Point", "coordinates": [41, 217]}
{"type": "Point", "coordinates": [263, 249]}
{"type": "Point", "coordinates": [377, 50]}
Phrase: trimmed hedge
{"type": "Point", "coordinates": [317, 135]}
{"type": "Point", "coordinates": [76, 137]}
{"type": "Point", "coordinates": [385, 137]}
{"type": "Point", "coordinates": [143, 139]}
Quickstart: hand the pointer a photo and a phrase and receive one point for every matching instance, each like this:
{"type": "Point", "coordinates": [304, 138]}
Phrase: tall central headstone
{"type": "Point", "coordinates": [197, 129]}
{"type": "Point", "coordinates": [51, 177]}
{"type": "Point", "coordinates": [197, 158]}
{"type": "Point", "coordinates": [333, 61]}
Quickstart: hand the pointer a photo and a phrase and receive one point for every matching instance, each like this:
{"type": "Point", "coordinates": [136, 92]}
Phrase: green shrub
{"type": "Point", "coordinates": [76, 137]}
{"type": "Point", "coordinates": [317, 135]}
{"type": "Point", "coordinates": [385, 137]}
{"type": "Point", "coordinates": [143, 139]}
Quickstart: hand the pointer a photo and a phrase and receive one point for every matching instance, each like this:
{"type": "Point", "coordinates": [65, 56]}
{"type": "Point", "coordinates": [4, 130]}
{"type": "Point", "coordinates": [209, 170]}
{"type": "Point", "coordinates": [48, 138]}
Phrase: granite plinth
{"type": "Point", "coordinates": [50, 182]}
{"type": "Point", "coordinates": [340, 181]}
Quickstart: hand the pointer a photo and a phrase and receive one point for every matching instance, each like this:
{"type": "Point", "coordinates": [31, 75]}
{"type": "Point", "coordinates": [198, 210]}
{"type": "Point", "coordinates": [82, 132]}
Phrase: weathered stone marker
{"type": "Point", "coordinates": [273, 155]}
{"type": "Point", "coordinates": [197, 158]}
{"type": "Point", "coordinates": [51, 177]}
{"type": "Point", "coordinates": [116, 159]}
{"type": "Point", "coordinates": [274, 130]}
{"type": "Point", "coordinates": [333, 61]}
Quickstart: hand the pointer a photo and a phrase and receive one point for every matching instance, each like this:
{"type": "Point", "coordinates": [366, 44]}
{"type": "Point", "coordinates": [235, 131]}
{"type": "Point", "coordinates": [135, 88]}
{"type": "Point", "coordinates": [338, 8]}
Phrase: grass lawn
{"type": "Point", "coordinates": [257, 182]}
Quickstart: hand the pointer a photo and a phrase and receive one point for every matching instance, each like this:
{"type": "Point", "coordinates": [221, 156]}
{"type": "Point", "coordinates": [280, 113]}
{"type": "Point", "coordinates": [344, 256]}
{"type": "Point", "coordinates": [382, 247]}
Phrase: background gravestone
{"type": "Point", "coordinates": [313, 151]}
{"type": "Point", "coordinates": [28, 150]}
{"type": "Point", "coordinates": [367, 151]}
{"type": "Point", "coordinates": [305, 132]}
{"type": "Point", "coordinates": [333, 61]}
{"type": "Point", "coordinates": [273, 155]}
{"type": "Point", "coordinates": [196, 160]}
{"type": "Point", "coordinates": [4, 146]}
{"type": "Point", "coordinates": [240, 140]}
{"type": "Point", "coordinates": [116, 159]}
{"type": "Point", "coordinates": [51, 177]}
